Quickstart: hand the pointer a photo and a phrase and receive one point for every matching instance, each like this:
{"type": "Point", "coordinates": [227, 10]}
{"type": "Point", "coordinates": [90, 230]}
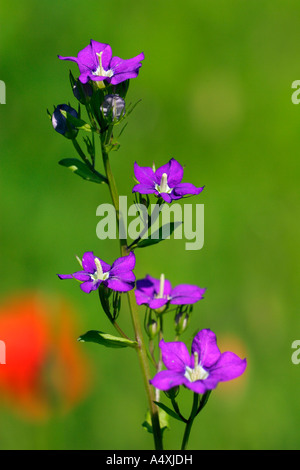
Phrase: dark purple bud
{"type": "Point", "coordinates": [60, 123]}
{"type": "Point", "coordinates": [82, 91]}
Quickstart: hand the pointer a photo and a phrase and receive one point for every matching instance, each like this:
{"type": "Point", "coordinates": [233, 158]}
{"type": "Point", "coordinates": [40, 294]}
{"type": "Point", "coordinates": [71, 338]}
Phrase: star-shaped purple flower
{"type": "Point", "coordinates": [118, 277]}
{"type": "Point", "coordinates": [202, 370]}
{"type": "Point", "coordinates": [158, 292]}
{"type": "Point", "coordinates": [165, 182]}
{"type": "Point", "coordinates": [96, 63]}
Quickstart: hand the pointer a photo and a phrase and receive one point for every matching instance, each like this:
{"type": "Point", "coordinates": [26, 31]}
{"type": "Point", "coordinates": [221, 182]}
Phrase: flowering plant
{"type": "Point", "coordinates": [102, 88]}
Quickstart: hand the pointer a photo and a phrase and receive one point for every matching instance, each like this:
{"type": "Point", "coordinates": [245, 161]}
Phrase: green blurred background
{"type": "Point", "coordinates": [216, 95]}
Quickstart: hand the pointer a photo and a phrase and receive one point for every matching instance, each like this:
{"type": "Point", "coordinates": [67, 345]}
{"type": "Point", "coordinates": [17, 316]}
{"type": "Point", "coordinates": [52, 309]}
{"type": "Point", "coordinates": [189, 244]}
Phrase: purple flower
{"type": "Point", "coordinates": [118, 277]}
{"type": "Point", "coordinates": [96, 63]}
{"type": "Point", "coordinates": [164, 182]}
{"type": "Point", "coordinates": [202, 370]}
{"type": "Point", "coordinates": [158, 292]}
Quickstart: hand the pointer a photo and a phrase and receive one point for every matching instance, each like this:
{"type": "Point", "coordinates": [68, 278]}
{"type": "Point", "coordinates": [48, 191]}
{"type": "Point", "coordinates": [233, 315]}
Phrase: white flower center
{"type": "Point", "coordinates": [163, 187]}
{"type": "Point", "coordinates": [99, 275]}
{"type": "Point", "coordinates": [100, 70]}
{"type": "Point", "coordinates": [197, 373]}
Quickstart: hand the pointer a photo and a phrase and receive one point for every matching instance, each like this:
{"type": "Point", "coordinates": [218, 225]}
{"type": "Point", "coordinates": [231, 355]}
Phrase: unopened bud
{"type": "Point", "coordinates": [172, 393]}
{"type": "Point", "coordinates": [60, 123]}
{"type": "Point", "coordinates": [181, 322]}
{"type": "Point", "coordinates": [82, 91]}
{"type": "Point", "coordinates": [152, 328]}
{"type": "Point", "coordinates": [113, 107]}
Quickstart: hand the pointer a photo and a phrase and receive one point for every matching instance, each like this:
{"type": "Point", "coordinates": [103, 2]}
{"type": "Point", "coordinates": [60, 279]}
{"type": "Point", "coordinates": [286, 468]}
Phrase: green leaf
{"type": "Point", "coordinates": [107, 340]}
{"type": "Point", "coordinates": [76, 122]}
{"type": "Point", "coordinates": [158, 235]}
{"type": "Point", "coordinates": [83, 170]}
{"type": "Point", "coordinates": [168, 410]}
{"type": "Point", "coordinates": [163, 421]}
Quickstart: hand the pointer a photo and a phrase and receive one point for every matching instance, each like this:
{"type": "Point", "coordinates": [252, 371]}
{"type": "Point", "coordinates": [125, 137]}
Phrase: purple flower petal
{"type": "Point", "coordinates": [87, 59]}
{"type": "Point", "coordinates": [88, 286]}
{"type": "Point", "coordinates": [166, 197]}
{"type": "Point", "coordinates": [144, 175]}
{"type": "Point", "coordinates": [199, 386]}
{"type": "Point", "coordinates": [157, 303]}
{"type": "Point", "coordinates": [185, 294]}
{"type": "Point", "coordinates": [119, 65]}
{"type": "Point", "coordinates": [166, 379]}
{"type": "Point", "coordinates": [81, 276]}
{"type": "Point", "coordinates": [228, 367]}
{"type": "Point", "coordinates": [123, 264]}
{"type": "Point", "coordinates": [144, 189]}
{"type": "Point", "coordinates": [141, 297]}
{"type": "Point", "coordinates": [119, 285]}
{"type": "Point", "coordinates": [121, 77]}
{"type": "Point", "coordinates": [73, 59]}
{"type": "Point", "coordinates": [65, 276]}
{"type": "Point", "coordinates": [88, 262]}
{"type": "Point", "coordinates": [161, 170]}
{"type": "Point", "coordinates": [127, 276]}
{"type": "Point", "coordinates": [183, 189]}
{"type": "Point", "coordinates": [106, 54]}
{"type": "Point", "coordinates": [175, 173]}
{"type": "Point", "coordinates": [205, 344]}
{"type": "Point", "coordinates": [146, 285]}
{"type": "Point", "coordinates": [175, 355]}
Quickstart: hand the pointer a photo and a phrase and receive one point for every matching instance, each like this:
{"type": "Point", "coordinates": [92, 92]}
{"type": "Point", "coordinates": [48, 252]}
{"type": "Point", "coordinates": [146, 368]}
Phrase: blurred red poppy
{"type": "Point", "coordinates": [45, 369]}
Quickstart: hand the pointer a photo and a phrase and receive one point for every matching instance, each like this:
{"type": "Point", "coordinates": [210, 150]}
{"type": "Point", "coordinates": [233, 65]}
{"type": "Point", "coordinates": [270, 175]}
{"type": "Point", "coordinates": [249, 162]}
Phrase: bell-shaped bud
{"type": "Point", "coordinates": [82, 91]}
{"type": "Point", "coordinates": [60, 122]}
{"type": "Point", "coordinates": [182, 319]}
{"type": "Point", "coordinates": [113, 108]}
{"type": "Point", "coordinates": [172, 393]}
{"type": "Point", "coordinates": [152, 328]}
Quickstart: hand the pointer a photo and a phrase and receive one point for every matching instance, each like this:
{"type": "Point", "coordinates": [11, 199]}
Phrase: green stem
{"type": "Point", "coordinates": [141, 348]}
{"type": "Point", "coordinates": [177, 410]}
{"type": "Point", "coordinates": [119, 329]}
{"type": "Point", "coordinates": [190, 422]}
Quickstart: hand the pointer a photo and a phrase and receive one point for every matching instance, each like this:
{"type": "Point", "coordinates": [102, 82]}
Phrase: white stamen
{"type": "Point", "coordinates": [197, 373]}
{"type": "Point", "coordinates": [163, 186]}
{"type": "Point", "coordinates": [100, 70]}
{"type": "Point", "coordinates": [161, 286]}
{"type": "Point", "coordinates": [99, 268]}
{"type": "Point", "coordinates": [99, 275]}
{"type": "Point", "coordinates": [164, 183]}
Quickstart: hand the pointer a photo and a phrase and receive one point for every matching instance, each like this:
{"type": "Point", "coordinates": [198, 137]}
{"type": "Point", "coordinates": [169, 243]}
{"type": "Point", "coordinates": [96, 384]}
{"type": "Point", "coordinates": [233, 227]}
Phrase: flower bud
{"type": "Point", "coordinates": [152, 329]}
{"type": "Point", "coordinates": [172, 393]}
{"type": "Point", "coordinates": [113, 107]}
{"type": "Point", "coordinates": [182, 320]}
{"type": "Point", "coordinates": [82, 91]}
{"type": "Point", "coordinates": [60, 123]}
